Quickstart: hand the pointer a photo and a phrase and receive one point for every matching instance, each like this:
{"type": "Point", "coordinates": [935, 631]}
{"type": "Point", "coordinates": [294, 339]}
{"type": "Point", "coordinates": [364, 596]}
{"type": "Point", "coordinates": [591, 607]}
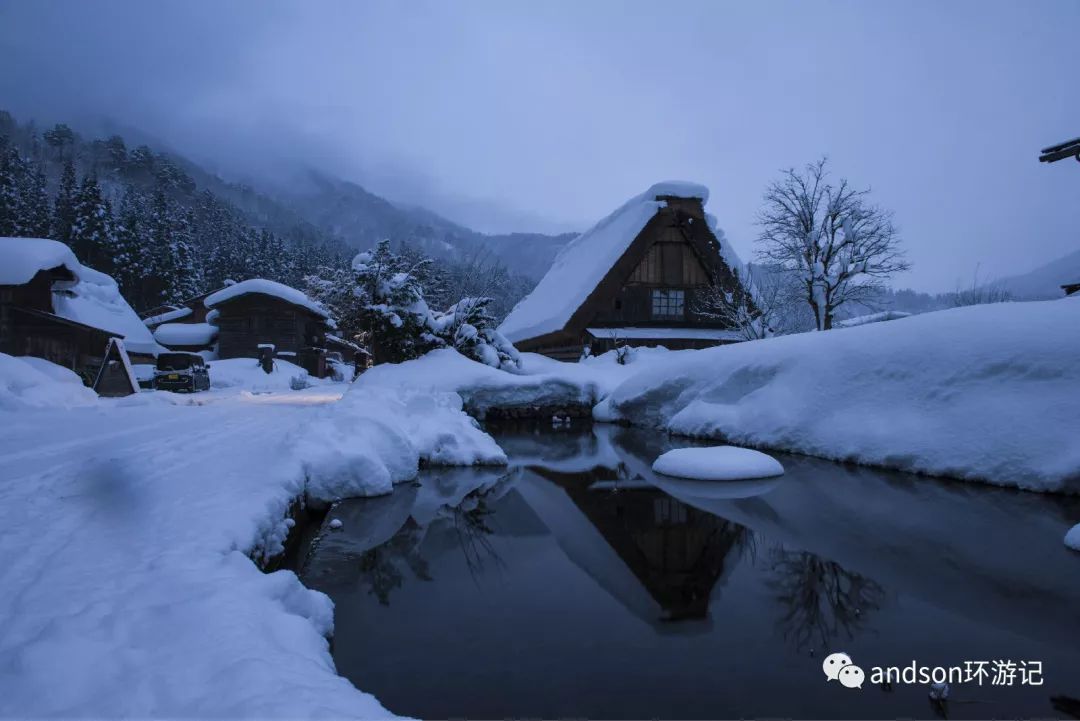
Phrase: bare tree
{"type": "Point", "coordinates": [762, 305]}
{"type": "Point", "coordinates": [839, 247]}
{"type": "Point", "coordinates": [979, 293]}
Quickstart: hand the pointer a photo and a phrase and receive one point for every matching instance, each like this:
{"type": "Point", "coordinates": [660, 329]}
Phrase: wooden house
{"type": "Point", "coordinates": [41, 311]}
{"type": "Point", "coordinates": [263, 312]}
{"type": "Point", "coordinates": [639, 277]}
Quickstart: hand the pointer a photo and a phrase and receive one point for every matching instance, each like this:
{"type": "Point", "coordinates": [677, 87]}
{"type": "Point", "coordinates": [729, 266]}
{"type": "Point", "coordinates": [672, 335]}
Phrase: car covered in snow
{"type": "Point", "coordinates": [181, 372]}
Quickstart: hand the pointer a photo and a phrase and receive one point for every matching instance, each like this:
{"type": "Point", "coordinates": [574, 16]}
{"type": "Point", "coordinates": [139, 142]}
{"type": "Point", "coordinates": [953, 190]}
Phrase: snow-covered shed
{"type": "Point", "coordinates": [261, 312]}
{"type": "Point", "coordinates": [53, 307]}
{"type": "Point", "coordinates": [635, 278]}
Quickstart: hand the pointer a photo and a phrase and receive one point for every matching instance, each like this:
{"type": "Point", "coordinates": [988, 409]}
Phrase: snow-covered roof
{"type": "Point", "coordinates": [667, 333]}
{"type": "Point", "coordinates": [266, 287]}
{"type": "Point", "coordinates": [95, 300]}
{"type": "Point", "coordinates": [342, 341]}
{"type": "Point", "coordinates": [166, 317]}
{"type": "Point", "coordinates": [584, 261]}
{"type": "Point", "coordinates": [23, 258]}
{"type": "Point", "coordinates": [188, 334]}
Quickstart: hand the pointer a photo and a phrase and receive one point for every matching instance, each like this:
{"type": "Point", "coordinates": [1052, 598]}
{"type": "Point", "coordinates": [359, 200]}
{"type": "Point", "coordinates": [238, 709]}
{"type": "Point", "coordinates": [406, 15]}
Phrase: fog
{"type": "Point", "coordinates": [545, 116]}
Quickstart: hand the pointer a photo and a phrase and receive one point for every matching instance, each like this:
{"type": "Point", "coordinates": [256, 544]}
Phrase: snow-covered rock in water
{"type": "Point", "coordinates": [335, 525]}
{"type": "Point", "coordinates": [983, 393]}
{"type": "Point", "coordinates": [1072, 538]}
{"type": "Point", "coordinates": [29, 382]}
{"type": "Point", "coordinates": [718, 463]}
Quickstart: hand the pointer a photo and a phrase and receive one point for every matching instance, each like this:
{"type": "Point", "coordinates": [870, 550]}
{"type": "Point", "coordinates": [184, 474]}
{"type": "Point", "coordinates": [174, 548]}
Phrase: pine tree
{"type": "Point", "coordinates": [10, 189]}
{"type": "Point", "coordinates": [186, 280]}
{"type": "Point", "coordinates": [92, 234]}
{"type": "Point", "coordinates": [132, 259]}
{"type": "Point", "coordinates": [36, 212]}
{"type": "Point", "coordinates": [64, 205]}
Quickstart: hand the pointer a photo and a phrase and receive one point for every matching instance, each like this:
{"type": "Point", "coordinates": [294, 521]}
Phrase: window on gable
{"type": "Point", "coordinates": [668, 303]}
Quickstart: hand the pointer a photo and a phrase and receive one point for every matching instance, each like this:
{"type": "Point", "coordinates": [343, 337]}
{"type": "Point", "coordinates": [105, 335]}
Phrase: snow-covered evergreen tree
{"type": "Point", "coordinates": [132, 261]}
{"type": "Point", "coordinates": [92, 233]}
{"type": "Point", "coordinates": [397, 319]}
{"type": "Point", "coordinates": [469, 326]}
{"type": "Point", "coordinates": [64, 205]}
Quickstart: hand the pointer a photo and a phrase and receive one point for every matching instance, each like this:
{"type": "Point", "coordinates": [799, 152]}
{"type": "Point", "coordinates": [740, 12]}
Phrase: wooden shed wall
{"type": "Point", "coordinates": [249, 320]}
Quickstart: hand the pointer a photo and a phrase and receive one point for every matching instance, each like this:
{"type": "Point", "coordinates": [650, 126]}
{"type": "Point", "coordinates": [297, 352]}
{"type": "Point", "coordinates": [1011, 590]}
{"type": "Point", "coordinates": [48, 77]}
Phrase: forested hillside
{"type": "Point", "coordinates": [167, 229]}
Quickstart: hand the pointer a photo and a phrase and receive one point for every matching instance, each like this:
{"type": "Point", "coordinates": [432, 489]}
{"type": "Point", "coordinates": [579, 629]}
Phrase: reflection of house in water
{"type": "Point", "coordinates": [658, 556]}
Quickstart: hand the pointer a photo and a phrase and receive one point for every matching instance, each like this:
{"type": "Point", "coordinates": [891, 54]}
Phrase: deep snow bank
{"type": "Point", "coordinates": [982, 393]}
{"type": "Point", "coordinates": [541, 381]}
{"type": "Point", "coordinates": [27, 382]}
{"type": "Point", "coordinates": [375, 437]}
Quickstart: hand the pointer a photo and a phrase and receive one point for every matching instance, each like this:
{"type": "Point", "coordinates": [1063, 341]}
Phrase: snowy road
{"type": "Point", "coordinates": [124, 530]}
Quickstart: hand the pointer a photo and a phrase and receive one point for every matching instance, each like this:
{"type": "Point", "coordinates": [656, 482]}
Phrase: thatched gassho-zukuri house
{"type": "Point", "coordinates": [636, 278]}
{"type": "Point", "coordinates": [53, 307]}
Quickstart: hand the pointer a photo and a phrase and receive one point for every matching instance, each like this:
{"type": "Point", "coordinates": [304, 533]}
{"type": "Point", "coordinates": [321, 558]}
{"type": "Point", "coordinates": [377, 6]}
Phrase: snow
{"type": "Point", "coordinates": [167, 317]}
{"type": "Point", "coordinates": [718, 463]}
{"type": "Point", "coordinates": [373, 438]}
{"type": "Point", "coordinates": [668, 333]}
{"type": "Point", "coordinates": [584, 261]}
{"type": "Point", "coordinates": [246, 374]}
{"type": "Point", "coordinates": [1072, 538]}
{"type": "Point", "coordinates": [540, 380]}
{"type": "Point", "coordinates": [130, 527]}
{"type": "Point", "coordinates": [266, 287]}
{"type": "Point", "coordinates": [95, 300]}
{"type": "Point", "coordinates": [185, 334]}
{"type": "Point", "coordinates": [33, 383]}
{"type": "Point", "coordinates": [23, 258]}
{"type": "Point", "coordinates": [983, 393]}
{"type": "Point", "coordinates": [871, 318]}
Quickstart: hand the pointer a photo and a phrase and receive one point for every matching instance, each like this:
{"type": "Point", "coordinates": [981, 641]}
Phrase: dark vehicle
{"type": "Point", "coordinates": [181, 372]}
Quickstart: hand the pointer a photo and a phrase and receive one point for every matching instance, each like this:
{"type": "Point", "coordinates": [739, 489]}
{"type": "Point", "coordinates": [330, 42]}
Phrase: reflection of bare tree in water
{"type": "Point", "coordinates": [823, 600]}
{"type": "Point", "coordinates": [470, 524]}
{"type": "Point", "coordinates": [380, 567]}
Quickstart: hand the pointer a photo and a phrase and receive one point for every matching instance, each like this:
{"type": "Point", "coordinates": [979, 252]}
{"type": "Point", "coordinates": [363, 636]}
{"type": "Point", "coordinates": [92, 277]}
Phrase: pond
{"type": "Point", "coordinates": [578, 584]}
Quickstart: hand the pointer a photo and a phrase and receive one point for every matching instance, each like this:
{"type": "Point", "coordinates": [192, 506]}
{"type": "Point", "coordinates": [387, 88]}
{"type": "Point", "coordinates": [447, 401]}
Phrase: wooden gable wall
{"type": "Point", "coordinates": [248, 320]}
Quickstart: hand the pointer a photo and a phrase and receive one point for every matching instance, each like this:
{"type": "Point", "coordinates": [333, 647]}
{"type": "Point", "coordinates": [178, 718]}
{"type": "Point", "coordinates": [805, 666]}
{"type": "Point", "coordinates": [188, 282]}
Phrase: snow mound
{"type": "Point", "coordinates": [584, 261]}
{"type": "Point", "coordinates": [188, 334]}
{"type": "Point", "coordinates": [983, 393]}
{"type": "Point", "coordinates": [23, 258]}
{"type": "Point", "coordinates": [373, 438]}
{"type": "Point", "coordinates": [266, 287]}
{"type": "Point", "coordinates": [718, 463]}
{"type": "Point", "coordinates": [1072, 538]}
{"type": "Point", "coordinates": [247, 374]}
{"type": "Point", "coordinates": [27, 382]}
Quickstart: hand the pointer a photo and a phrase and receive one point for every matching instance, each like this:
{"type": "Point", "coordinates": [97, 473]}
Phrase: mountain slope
{"type": "Point", "coordinates": [1046, 280]}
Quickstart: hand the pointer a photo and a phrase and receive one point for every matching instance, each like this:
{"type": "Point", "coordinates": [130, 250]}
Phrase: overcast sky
{"type": "Point", "coordinates": [514, 115]}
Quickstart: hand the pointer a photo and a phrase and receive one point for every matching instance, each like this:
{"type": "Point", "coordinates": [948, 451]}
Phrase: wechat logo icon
{"type": "Point", "coordinates": [839, 667]}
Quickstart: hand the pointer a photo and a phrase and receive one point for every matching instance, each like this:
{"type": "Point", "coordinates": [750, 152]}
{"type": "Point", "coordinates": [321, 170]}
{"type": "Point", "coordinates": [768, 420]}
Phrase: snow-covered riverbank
{"type": "Point", "coordinates": [985, 393]}
{"type": "Point", "coordinates": [128, 527]}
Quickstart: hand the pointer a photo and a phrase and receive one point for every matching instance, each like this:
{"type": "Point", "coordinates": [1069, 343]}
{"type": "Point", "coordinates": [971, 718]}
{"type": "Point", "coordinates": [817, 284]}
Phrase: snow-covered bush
{"type": "Point", "coordinates": [299, 382]}
{"type": "Point", "coordinates": [469, 327]}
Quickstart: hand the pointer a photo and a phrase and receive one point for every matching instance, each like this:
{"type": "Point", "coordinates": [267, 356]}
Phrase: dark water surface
{"type": "Point", "coordinates": [577, 584]}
